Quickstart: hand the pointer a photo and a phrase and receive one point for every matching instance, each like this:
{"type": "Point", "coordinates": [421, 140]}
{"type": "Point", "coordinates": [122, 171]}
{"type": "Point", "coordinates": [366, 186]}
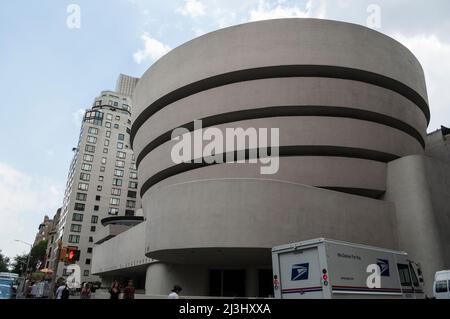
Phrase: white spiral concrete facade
{"type": "Point", "coordinates": [347, 100]}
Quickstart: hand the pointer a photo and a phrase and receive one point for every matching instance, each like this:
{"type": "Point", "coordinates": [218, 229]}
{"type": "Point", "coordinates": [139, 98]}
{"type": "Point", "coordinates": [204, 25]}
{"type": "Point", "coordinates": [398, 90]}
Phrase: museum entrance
{"type": "Point", "coordinates": [227, 283]}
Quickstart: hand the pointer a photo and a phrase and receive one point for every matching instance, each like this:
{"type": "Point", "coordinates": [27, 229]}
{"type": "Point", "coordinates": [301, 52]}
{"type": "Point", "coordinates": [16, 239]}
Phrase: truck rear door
{"type": "Point", "coordinates": [300, 274]}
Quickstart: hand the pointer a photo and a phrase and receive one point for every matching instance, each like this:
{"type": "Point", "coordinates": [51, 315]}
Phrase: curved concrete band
{"type": "Point", "coordinates": [346, 99]}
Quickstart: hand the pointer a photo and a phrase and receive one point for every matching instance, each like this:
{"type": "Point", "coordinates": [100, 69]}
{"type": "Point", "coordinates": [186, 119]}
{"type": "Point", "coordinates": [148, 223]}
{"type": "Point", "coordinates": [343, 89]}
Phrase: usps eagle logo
{"type": "Point", "coordinates": [384, 267]}
{"type": "Point", "coordinates": [300, 272]}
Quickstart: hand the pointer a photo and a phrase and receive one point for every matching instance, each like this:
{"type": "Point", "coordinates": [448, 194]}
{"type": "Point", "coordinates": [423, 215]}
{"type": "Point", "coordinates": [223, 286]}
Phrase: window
{"type": "Point", "coordinates": [93, 130]}
{"type": "Point", "coordinates": [133, 166]}
{"type": "Point", "coordinates": [97, 198]}
{"type": "Point", "coordinates": [121, 155]}
{"type": "Point", "coordinates": [121, 137]}
{"type": "Point", "coordinates": [129, 212]}
{"type": "Point", "coordinates": [116, 191]}
{"type": "Point", "coordinates": [96, 208]}
{"type": "Point", "coordinates": [94, 117]}
{"type": "Point", "coordinates": [91, 239]}
{"type": "Point", "coordinates": [133, 175]}
{"type": "Point", "coordinates": [90, 148]}
{"type": "Point", "coordinates": [79, 207]}
{"type": "Point", "coordinates": [86, 273]}
{"type": "Point", "coordinates": [120, 164]}
{"type": "Point", "coordinates": [89, 250]}
{"type": "Point", "coordinates": [81, 197]}
{"type": "Point", "coordinates": [88, 261]}
{"type": "Point", "coordinates": [119, 145]}
{"type": "Point", "coordinates": [92, 228]}
{"type": "Point", "coordinates": [102, 169]}
{"type": "Point", "coordinates": [106, 143]}
{"type": "Point", "coordinates": [109, 117]}
{"type": "Point", "coordinates": [132, 194]}
{"type": "Point", "coordinates": [117, 182]}
{"type": "Point", "coordinates": [74, 239]}
{"type": "Point", "coordinates": [117, 118]}
{"type": "Point", "coordinates": [133, 185]}
{"type": "Point", "coordinates": [403, 271]}
{"type": "Point", "coordinates": [94, 219]}
{"type": "Point", "coordinates": [108, 124]}
{"type": "Point", "coordinates": [441, 286]}
{"type": "Point", "coordinates": [91, 139]}
{"type": "Point", "coordinates": [114, 201]}
{"type": "Point", "coordinates": [105, 150]}
{"type": "Point", "coordinates": [131, 204]}
{"type": "Point", "coordinates": [108, 134]}
{"type": "Point", "coordinates": [75, 228]}
{"type": "Point", "coordinates": [83, 187]}
{"type": "Point", "coordinates": [104, 159]}
{"type": "Point", "coordinates": [86, 167]}
{"type": "Point", "coordinates": [101, 178]}
{"type": "Point", "coordinates": [77, 217]}
{"type": "Point", "coordinates": [85, 177]}
{"type": "Point", "coordinates": [129, 121]}
{"type": "Point", "coordinates": [118, 172]}
{"type": "Point", "coordinates": [116, 126]}
{"type": "Point", "coordinates": [113, 211]}
{"type": "Point", "coordinates": [88, 158]}
{"type": "Point", "coordinates": [116, 103]}
{"type": "Point", "coordinates": [99, 188]}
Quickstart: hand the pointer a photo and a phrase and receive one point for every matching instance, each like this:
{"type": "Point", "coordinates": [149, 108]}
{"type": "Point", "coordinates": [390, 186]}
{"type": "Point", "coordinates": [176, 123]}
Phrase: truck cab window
{"type": "Point", "coordinates": [441, 286]}
{"type": "Point", "coordinates": [405, 277]}
{"type": "Point", "coordinates": [414, 277]}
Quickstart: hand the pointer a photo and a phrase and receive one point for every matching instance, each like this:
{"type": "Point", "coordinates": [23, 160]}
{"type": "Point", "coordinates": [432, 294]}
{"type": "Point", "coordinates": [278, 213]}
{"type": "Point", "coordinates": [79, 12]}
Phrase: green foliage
{"type": "Point", "coordinates": [19, 263]}
{"type": "Point", "coordinates": [38, 254]}
{"type": "Point", "coordinates": [4, 263]}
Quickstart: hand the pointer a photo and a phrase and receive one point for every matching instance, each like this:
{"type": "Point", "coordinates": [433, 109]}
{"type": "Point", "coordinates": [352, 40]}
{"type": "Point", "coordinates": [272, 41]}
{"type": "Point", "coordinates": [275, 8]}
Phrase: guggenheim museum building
{"type": "Point", "coordinates": [355, 160]}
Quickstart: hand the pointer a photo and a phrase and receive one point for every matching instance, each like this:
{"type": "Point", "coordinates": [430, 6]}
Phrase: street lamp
{"type": "Point", "coordinates": [28, 260]}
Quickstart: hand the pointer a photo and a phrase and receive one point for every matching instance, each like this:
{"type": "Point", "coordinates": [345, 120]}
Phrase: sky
{"type": "Point", "coordinates": [56, 56]}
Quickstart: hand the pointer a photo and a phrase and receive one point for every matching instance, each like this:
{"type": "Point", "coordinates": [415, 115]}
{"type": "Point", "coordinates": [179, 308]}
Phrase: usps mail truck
{"type": "Point", "coordinates": [330, 269]}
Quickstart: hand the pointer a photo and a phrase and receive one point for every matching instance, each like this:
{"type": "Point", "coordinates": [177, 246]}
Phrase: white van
{"type": "Point", "coordinates": [441, 286]}
{"type": "Point", "coordinates": [330, 269]}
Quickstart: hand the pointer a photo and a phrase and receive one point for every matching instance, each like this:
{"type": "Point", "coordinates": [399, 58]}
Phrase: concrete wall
{"type": "Point", "coordinates": [419, 187]}
{"type": "Point", "coordinates": [127, 250]}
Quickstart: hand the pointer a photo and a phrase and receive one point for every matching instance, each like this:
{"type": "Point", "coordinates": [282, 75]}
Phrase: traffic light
{"type": "Point", "coordinates": [73, 255]}
{"type": "Point", "coordinates": [62, 254]}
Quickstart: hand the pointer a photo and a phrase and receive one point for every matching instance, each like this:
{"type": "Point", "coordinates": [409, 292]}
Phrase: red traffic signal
{"type": "Point", "coordinates": [73, 255]}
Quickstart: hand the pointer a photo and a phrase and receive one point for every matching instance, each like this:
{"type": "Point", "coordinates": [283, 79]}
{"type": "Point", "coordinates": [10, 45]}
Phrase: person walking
{"type": "Point", "coordinates": [86, 292]}
{"type": "Point", "coordinates": [114, 292]}
{"type": "Point", "coordinates": [60, 290]}
{"type": "Point", "coordinates": [128, 292]}
{"type": "Point", "coordinates": [175, 292]}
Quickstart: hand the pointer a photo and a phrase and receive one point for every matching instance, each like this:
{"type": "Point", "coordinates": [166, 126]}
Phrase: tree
{"type": "Point", "coordinates": [38, 253]}
{"type": "Point", "coordinates": [19, 263]}
{"type": "Point", "coordinates": [4, 263]}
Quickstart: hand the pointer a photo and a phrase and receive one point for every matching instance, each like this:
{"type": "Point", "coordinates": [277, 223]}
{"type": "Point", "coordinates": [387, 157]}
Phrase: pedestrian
{"type": "Point", "coordinates": [85, 292]}
{"type": "Point", "coordinates": [66, 293]}
{"type": "Point", "coordinates": [175, 292]}
{"type": "Point", "coordinates": [128, 292]}
{"type": "Point", "coordinates": [114, 292]}
{"type": "Point", "coordinates": [34, 291]}
{"type": "Point", "coordinates": [60, 290]}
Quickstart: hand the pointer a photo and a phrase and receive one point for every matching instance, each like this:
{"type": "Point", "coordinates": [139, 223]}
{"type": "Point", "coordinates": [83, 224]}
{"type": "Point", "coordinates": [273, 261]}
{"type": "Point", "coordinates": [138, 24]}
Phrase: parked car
{"type": "Point", "coordinates": [441, 285]}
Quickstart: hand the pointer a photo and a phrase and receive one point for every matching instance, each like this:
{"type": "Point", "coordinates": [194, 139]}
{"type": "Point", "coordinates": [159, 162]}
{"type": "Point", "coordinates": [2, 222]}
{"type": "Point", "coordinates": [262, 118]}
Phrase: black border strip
{"type": "Point", "coordinates": [284, 151]}
{"type": "Point", "coordinates": [283, 71]}
{"type": "Point", "coordinates": [287, 111]}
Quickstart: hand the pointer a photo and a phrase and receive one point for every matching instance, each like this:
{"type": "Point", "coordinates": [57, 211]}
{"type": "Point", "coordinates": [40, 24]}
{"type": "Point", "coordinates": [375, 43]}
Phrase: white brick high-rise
{"type": "Point", "coordinates": [102, 180]}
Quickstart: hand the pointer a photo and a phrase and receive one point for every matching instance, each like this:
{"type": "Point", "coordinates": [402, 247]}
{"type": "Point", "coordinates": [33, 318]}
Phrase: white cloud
{"type": "Point", "coordinates": [192, 8]}
{"type": "Point", "coordinates": [434, 55]}
{"type": "Point", "coordinates": [153, 49]}
{"type": "Point", "coordinates": [24, 200]}
{"type": "Point", "coordinates": [268, 10]}
{"type": "Point", "coordinates": [77, 117]}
